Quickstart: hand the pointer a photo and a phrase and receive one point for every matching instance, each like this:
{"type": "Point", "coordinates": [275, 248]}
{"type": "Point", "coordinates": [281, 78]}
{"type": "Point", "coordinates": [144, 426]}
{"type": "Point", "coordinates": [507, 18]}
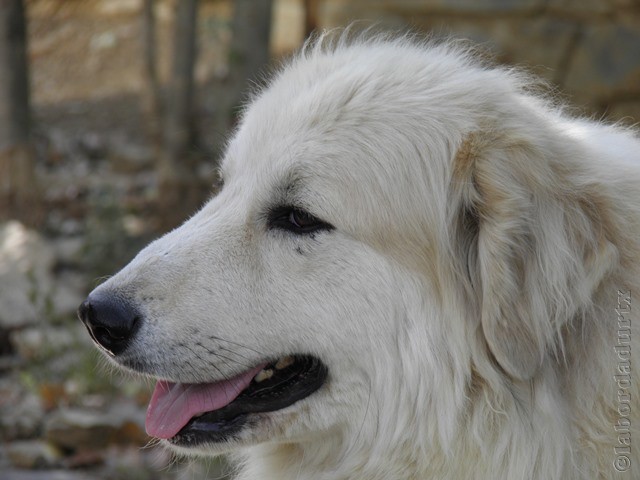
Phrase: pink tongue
{"type": "Point", "coordinates": [172, 405]}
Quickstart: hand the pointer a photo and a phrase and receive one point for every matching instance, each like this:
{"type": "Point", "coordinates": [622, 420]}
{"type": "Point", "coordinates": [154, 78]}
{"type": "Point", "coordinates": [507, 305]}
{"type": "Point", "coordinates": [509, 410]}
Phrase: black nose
{"type": "Point", "coordinates": [111, 321]}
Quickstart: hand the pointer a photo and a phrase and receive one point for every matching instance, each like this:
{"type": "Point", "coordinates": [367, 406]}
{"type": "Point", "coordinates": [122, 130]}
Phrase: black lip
{"type": "Point", "coordinates": [287, 386]}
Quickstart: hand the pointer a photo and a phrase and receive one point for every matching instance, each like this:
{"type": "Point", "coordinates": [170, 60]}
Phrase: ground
{"type": "Point", "coordinates": [63, 413]}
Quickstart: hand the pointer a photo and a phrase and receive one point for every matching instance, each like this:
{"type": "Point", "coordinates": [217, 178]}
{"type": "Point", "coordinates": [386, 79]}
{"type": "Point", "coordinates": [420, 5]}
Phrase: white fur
{"type": "Point", "coordinates": [465, 303]}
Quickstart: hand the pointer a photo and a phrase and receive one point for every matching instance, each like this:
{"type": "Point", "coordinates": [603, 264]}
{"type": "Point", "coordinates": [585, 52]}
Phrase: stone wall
{"type": "Point", "coordinates": [590, 49]}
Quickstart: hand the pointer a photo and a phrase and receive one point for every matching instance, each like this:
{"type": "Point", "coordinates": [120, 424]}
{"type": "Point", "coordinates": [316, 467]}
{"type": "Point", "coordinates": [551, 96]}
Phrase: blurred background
{"type": "Point", "coordinates": [113, 116]}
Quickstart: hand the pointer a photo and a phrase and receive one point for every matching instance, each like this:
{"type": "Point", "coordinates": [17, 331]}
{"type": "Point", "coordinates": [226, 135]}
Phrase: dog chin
{"type": "Point", "coordinates": [273, 427]}
{"type": "Point", "coordinates": [251, 436]}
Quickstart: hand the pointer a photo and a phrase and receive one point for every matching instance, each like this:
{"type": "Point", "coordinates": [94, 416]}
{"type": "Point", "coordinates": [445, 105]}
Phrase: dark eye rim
{"type": "Point", "coordinates": [296, 220]}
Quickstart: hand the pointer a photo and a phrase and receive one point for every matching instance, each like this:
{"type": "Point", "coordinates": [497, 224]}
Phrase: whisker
{"type": "Point", "coordinates": [233, 351]}
{"type": "Point", "coordinates": [225, 378]}
{"type": "Point", "coordinates": [219, 355]}
{"type": "Point", "coordinates": [214, 337]}
{"type": "Point", "coordinates": [224, 361]}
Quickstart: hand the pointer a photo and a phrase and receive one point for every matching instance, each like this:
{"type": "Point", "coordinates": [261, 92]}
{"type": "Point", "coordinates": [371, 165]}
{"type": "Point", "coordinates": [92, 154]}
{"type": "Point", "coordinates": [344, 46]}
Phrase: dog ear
{"type": "Point", "coordinates": [532, 236]}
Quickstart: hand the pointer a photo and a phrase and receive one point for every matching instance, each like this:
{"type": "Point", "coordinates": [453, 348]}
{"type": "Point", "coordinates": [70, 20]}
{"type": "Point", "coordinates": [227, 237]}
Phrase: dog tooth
{"type": "Point", "coordinates": [263, 375]}
{"type": "Point", "coordinates": [284, 362]}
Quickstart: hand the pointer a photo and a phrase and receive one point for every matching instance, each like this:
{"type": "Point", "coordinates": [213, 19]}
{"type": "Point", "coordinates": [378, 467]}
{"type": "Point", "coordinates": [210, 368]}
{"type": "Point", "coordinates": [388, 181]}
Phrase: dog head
{"type": "Point", "coordinates": [391, 212]}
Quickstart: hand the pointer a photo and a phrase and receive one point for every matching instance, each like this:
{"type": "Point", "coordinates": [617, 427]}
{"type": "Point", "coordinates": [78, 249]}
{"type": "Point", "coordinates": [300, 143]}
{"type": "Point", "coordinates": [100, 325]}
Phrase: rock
{"type": "Point", "coordinates": [127, 157]}
{"type": "Point", "coordinates": [33, 454]}
{"type": "Point", "coordinates": [607, 59]}
{"type": "Point", "coordinates": [28, 342]}
{"type": "Point", "coordinates": [85, 458]}
{"type": "Point", "coordinates": [69, 293]}
{"type": "Point", "coordinates": [29, 290]}
{"type": "Point", "coordinates": [47, 475]}
{"type": "Point", "coordinates": [8, 362]}
{"type": "Point", "coordinates": [59, 142]}
{"type": "Point", "coordinates": [68, 249]}
{"type": "Point", "coordinates": [103, 41]}
{"type": "Point", "coordinates": [92, 145]}
{"type": "Point", "coordinates": [77, 429]}
{"type": "Point", "coordinates": [25, 274]}
{"type": "Point", "coordinates": [70, 226]}
{"type": "Point", "coordinates": [37, 342]}
{"type": "Point", "coordinates": [52, 395]}
{"type": "Point", "coordinates": [22, 418]}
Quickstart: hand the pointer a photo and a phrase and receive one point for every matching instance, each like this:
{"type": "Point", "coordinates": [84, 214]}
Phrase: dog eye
{"type": "Point", "coordinates": [297, 221]}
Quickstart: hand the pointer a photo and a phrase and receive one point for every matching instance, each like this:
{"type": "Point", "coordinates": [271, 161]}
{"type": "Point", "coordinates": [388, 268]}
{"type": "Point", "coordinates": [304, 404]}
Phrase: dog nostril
{"type": "Point", "coordinates": [106, 333]}
{"type": "Point", "coordinates": [108, 339]}
{"type": "Point", "coordinates": [111, 321]}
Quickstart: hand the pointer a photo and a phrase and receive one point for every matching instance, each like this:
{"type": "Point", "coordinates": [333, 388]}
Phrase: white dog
{"type": "Point", "coordinates": [416, 269]}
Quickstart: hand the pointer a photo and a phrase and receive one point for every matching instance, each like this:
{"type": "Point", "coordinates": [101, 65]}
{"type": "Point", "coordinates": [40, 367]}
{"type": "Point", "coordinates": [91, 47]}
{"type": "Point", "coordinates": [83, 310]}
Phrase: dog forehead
{"type": "Point", "coordinates": [344, 122]}
{"type": "Point", "coordinates": [291, 146]}
{"type": "Point", "coordinates": [359, 97]}
{"type": "Point", "coordinates": [311, 122]}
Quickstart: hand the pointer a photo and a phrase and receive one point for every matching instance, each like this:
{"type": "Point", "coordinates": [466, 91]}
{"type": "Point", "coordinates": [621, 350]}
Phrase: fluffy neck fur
{"type": "Point", "coordinates": [503, 429]}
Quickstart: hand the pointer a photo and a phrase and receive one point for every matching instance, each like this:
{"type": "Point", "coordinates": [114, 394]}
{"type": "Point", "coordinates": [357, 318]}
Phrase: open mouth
{"type": "Point", "coordinates": [191, 414]}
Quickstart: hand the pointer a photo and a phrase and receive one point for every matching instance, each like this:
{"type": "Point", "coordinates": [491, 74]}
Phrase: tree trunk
{"type": "Point", "coordinates": [249, 50]}
{"type": "Point", "coordinates": [18, 189]}
{"type": "Point", "coordinates": [152, 94]}
{"type": "Point", "coordinates": [310, 17]}
{"type": "Point", "coordinates": [180, 189]}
